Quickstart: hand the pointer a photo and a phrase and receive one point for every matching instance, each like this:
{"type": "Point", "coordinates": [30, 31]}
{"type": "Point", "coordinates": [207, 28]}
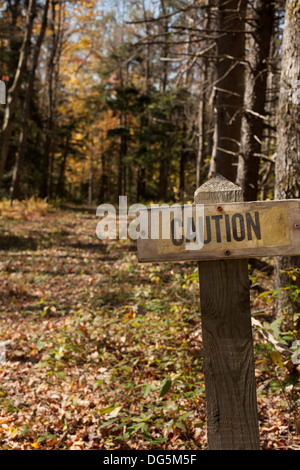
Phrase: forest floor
{"type": "Point", "coordinates": [105, 353]}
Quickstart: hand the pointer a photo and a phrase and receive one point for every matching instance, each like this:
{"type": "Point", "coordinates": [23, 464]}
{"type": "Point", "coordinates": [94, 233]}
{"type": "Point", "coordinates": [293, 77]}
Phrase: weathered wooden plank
{"type": "Point", "coordinates": [225, 231]}
{"type": "Point", "coordinates": [228, 359]}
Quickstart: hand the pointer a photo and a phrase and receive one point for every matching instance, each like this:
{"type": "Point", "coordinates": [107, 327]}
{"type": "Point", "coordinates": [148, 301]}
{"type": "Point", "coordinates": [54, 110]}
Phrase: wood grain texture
{"type": "Point", "coordinates": [279, 231]}
{"type": "Point", "coordinates": [228, 358]}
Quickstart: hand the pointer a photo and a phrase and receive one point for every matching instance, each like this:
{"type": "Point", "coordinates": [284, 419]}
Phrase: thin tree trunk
{"type": "Point", "coordinates": [229, 87]}
{"type": "Point", "coordinates": [48, 137]}
{"type": "Point", "coordinates": [182, 175]}
{"type": "Point", "coordinates": [141, 171]}
{"type": "Point", "coordinates": [287, 168]}
{"type": "Point", "coordinates": [122, 155]}
{"type": "Point", "coordinates": [163, 176]}
{"type": "Point", "coordinates": [14, 89]}
{"type": "Point", "coordinates": [60, 189]}
{"type": "Point", "coordinates": [29, 90]}
{"type": "Point", "coordinates": [165, 151]}
{"type": "Point", "coordinates": [201, 127]}
{"type": "Point", "coordinates": [201, 110]}
{"type": "Point", "coordinates": [47, 166]}
{"type": "Point", "coordinates": [261, 24]}
{"type": "Point", "coordinates": [91, 182]}
{"type": "Point", "coordinates": [15, 39]}
{"type": "Point", "coordinates": [123, 140]}
{"type": "Point", "coordinates": [103, 181]}
{"type": "Point", "coordinates": [141, 183]}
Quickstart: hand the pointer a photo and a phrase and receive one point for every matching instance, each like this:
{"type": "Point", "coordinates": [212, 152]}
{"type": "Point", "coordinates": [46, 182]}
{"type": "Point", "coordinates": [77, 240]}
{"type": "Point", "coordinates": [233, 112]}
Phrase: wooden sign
{"type": "Point", "coordinates": [220, 231]}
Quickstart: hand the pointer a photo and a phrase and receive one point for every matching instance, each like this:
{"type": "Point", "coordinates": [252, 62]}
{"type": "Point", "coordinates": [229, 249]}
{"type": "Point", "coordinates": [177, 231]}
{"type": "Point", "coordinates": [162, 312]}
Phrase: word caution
{"type": "Point", "coordinates": [236, 227]}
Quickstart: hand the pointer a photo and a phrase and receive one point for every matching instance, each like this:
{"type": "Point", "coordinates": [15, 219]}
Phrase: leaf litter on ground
{"type": "Point", "coordinates": [103, 352]}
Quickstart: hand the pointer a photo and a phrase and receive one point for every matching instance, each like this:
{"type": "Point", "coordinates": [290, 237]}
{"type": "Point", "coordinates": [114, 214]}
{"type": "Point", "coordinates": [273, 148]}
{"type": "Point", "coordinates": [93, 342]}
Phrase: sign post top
{"type": "Point", "coordinates": [210, 191]}
{"type": "Point", "coordinates": [224, 228]}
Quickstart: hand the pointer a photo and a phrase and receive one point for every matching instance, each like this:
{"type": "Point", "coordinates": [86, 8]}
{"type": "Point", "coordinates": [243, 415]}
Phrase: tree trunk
{"type": "Point", "coordinates": [261, 25]}
{"type": "Point", "coordinates": [165, 151]}
{"type": "Point", "coordinates": [122, 155]}
{"type": "Point", "coordinates": [201, 109]}
{"type": "Point", "coordinates": [29, 90]}
{"type": "Point", "coordinates": [14, 89]}
{"type": "Point", "coordinates": [56, 45]}
{"type": "Point", "coordinates": [287, 168]}
{"type": "Point", "coordinates": [182, 175]}
{"type": "Point", "coordinates": [104, 180]}
{"type": "Point", "coordinates": [15, 39]}
{"type": "Point", "coordinates": [229, 87]}
{"type": "Point", "coordinates": [91, 181]}
{"type": "Point", "coordinates": [201, 128]}
{"type": "Point", "coordinates": [163, 176]}
{"type": "Point", "coordinates": [60, 189]}
{"type": "Point", "coordinates": [141, 183]}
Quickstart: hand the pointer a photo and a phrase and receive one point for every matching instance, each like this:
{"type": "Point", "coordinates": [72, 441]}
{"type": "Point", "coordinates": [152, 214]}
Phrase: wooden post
{"type": "Point", "coordinates": [228, 358]}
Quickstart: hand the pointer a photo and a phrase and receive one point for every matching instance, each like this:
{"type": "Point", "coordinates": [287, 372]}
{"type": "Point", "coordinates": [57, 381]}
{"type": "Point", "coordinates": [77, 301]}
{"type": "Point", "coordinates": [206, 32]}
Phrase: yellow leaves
{"type": "Point", "coordinates": [129, 316]}
{"type": "Point", "coordinates": [154, 276]}
{"type": "Point", "coordinates": [78, 136]}
{"type": "Point", "coordinates": [8, 429]}
{"type": "Point", "coordinates": [24, 210]}
{"type": "Point", "coordinates": [277, 358]}
{"type": "Point", "coordinates": [260, 361]}
{"type": "Point", "coordinates": [155, 279]}
{"type": "Point", "coordinates": [84, 43]}
{"type": "Point", "coordinates": [35, 445]}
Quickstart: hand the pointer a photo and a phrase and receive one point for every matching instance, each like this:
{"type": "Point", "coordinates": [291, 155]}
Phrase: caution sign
{"type": "Point", "coordinates": [231, 230]}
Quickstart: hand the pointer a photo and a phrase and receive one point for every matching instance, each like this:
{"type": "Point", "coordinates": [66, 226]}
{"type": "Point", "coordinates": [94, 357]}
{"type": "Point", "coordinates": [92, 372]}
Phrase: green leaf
{"type": "Point", "coordinates": [147, 436]}
{"type": "Point", "coordinates": [185, 415]}
{"type": "Point", "coordinates": [40, 345]}
{"type": "Point", "coordinates": [60, 374]}
{"type": "Point", "coordinates": [41, 364]}
{"type": "Point", "coordinates": [160, 439]}
{"type": "Point", "coordinates": [147, 390]}
{"type": "Point", "coordinates": [47, 436]}
{"type": "Point", "coordinates": [108, 423]}
{"type": "Point", "coordinates": [25, 429]}
{"type": "Point", "coordinates": [114, 410]}
{"type": "Point", "coordinates": [139, 426]}
{"type": "Point", "coordinates": [166, 387]}
{"type": "Point", "coordinates": [180, 425]}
